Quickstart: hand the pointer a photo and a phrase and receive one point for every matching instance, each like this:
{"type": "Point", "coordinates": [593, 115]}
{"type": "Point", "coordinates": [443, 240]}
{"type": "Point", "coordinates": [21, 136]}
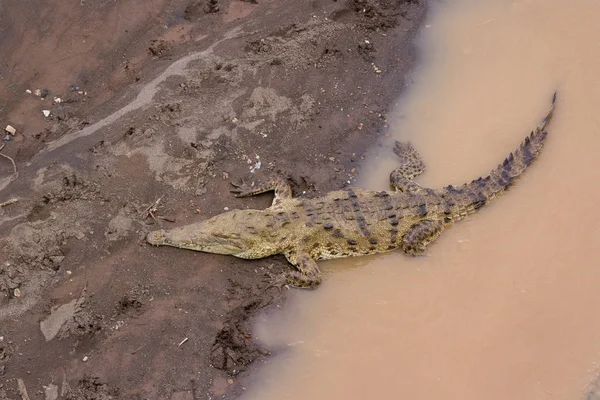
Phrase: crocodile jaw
{"type": "Point", "coordinates": [197, 240]}
{"type": "Point", "coordinates": [233, 233]}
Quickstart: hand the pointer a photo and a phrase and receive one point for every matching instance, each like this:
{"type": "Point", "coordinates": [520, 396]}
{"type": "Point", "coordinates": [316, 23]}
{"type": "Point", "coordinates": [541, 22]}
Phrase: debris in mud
{"type": "Point", "coordinates": [379, 14]}
{"type": "Point", "coordinates": [15, 174]}
{"type": "Point", "coordinates": [91, 388]}
{"type": "Point", "coordinates": [57, 318]}
{"type": "Point", "coordinates": [192, 11]}
{"type": "Point", "coordinates": [254, 165]}
{"type": "Point", "coordinates": [22, 389]}
{"type": "Point", "coordinates": [212, 6]}
{"type": "Point", "coordinates": [160, 48]}
{"type": "Point", "coordinates": [151, 210]}
{"type": "Point", "coordinates": [51, 392]}
{"type": "Point", "coordinates": [46, 113]}
{"type": "Point", "coordinates": [10, 130]}
{"type": "Point", "coordinates": [72, 318]}
{"type": "Point", "coordinates": [43, 93]}
{"type": "Point", "coordinates": [258, 46]}
{"type": "Point", "coordinates": [366, 50]}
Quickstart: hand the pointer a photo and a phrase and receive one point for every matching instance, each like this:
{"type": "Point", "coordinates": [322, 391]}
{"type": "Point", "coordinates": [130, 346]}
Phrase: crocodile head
{"type": "Point", "coordinates": [239, 233]}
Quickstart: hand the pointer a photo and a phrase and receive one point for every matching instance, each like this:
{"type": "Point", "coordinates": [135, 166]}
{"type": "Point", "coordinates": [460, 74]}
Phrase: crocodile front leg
{"type": "Point", "coordinates": [421, 234]}
{"type": "Point", "coordinates": [401, 179]}
{"type": "Point", "coordinates": [280, 186]}
{"type": "Point", "coordinates": [307, 275]}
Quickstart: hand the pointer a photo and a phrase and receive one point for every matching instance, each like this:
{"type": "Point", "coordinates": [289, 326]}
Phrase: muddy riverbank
{"type": "Point", "coordinates": [160, 106]}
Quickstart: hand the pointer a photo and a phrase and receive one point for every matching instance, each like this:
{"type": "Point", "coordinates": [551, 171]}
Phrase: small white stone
{"type": "Point", "coordinates": [57, 100]}
{"type": "Point", "coordinates": [17, 292]}
{"type": "Point", "coordinates": [46, 113]}
{"type": "Point", "coordinates": [10, 129]}
{"type": "Point", "coordinates": [28, 91]}
{"type": "Point", "coordinates": [85, 358]}
{"type": "Point", "coordinates": [226, 208]}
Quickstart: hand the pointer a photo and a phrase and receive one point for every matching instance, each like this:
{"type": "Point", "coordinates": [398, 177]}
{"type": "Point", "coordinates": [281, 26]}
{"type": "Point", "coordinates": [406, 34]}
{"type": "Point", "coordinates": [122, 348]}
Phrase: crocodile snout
{"type": "Point", "coordinates": [156, 238]}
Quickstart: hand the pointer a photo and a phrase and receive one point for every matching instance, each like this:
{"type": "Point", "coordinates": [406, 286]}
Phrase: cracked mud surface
{"type": "Point", "coordinates": [299, 89]}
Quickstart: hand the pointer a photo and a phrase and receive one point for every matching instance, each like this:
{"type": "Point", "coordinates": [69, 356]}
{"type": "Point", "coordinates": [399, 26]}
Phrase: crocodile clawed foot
{"type": "Point", "coordinates": [401, 149]}
{"type": "Point", "coordinates": [242, 189]}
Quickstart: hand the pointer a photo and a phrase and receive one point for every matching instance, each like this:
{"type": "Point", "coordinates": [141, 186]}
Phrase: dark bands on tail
{"type": "Point", "coordinates": [477, 193]}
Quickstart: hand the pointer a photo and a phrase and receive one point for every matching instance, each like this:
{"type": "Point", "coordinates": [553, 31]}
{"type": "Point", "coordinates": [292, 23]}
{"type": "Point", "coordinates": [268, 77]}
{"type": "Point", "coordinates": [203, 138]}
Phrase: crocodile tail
{"type": "Point", "coordinates": [479, 192]}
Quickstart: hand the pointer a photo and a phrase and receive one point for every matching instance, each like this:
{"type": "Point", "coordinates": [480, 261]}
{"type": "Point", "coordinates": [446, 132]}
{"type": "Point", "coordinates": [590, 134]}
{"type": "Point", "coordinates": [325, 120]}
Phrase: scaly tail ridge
{"type": "Point", "coordinates": [472, 196]}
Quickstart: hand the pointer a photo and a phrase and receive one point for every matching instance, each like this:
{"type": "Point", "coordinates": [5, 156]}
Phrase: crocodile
{"type": "Point", "coordinates": [351, 222]}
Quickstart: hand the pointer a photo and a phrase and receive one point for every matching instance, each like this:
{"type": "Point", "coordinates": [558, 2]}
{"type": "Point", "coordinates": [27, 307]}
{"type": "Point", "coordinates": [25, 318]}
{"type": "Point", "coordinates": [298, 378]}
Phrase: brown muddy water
{"type": "Point", "coordinates": [506, 304]}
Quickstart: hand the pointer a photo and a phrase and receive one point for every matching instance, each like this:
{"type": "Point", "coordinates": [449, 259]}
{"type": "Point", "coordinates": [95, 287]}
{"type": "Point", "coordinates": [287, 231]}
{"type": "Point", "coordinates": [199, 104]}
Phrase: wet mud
{"type": "Point", "coordinates": [154, 108]}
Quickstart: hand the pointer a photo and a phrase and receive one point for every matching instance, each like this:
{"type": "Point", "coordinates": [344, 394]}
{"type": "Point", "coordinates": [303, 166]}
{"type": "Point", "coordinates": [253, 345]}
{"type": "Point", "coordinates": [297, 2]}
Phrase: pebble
{"type": "Point", "coordinates": [85, 358]}
{"type": "Point", "coordinates": [17, 292]}
{"type": "Point", "coordinates": [10, 129]}
{"type": "Point", "coordinates": [43, 93]}
{"type": "Point", "coordinates": [230, 381]}
{"type": "Point", "coordinates": [46, 113]}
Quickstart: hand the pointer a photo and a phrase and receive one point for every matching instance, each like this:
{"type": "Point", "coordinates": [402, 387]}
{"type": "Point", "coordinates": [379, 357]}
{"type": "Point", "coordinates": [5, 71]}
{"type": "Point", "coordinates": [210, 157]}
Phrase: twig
{"type": "Point", "coordinates": [8, 202]}
{"type": "Point", "coordinates": [11, 160]}
{"type": "Point", "coordinates": [182, 342]}
{"type": "Point", "coordinates": [149, 212]}
{"type": "Point", "coordinates": [22, 389]}
{"type": "Point", "coordinates": [138, 349]}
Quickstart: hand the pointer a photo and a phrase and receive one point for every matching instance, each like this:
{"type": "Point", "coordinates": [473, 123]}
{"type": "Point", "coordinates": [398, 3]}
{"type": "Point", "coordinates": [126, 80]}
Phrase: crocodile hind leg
{"type": "Point", "coordinates": [307, 274]}
{"type": "Point", "coordinates": [421, 234]}
{"type": "Point", "coordinates": [280, 186]}
{"type": "Point", "coordinates": [401, 179]}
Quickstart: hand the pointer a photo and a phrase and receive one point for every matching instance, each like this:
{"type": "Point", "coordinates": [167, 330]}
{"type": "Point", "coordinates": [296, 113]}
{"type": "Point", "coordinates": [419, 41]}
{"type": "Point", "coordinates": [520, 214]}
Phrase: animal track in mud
{"type": "Point", "coordinates": [380, 14]}
{"type": "Point", "coordinates": [233, 349]}
{"type": "Point", "coordinates": [91, 388]}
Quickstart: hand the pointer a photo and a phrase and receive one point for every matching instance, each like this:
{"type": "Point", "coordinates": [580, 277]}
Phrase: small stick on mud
{"type": "Point", "coordinates": [138, 349]}
{"type": "Point", "coordinates": [8, 202]}
{"type": "Point", "coordinates": [149, 212]}
{"type": "Point", "coordinates": [22, 389]}
{"type": "Point", "coordinates": [11, 160]}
